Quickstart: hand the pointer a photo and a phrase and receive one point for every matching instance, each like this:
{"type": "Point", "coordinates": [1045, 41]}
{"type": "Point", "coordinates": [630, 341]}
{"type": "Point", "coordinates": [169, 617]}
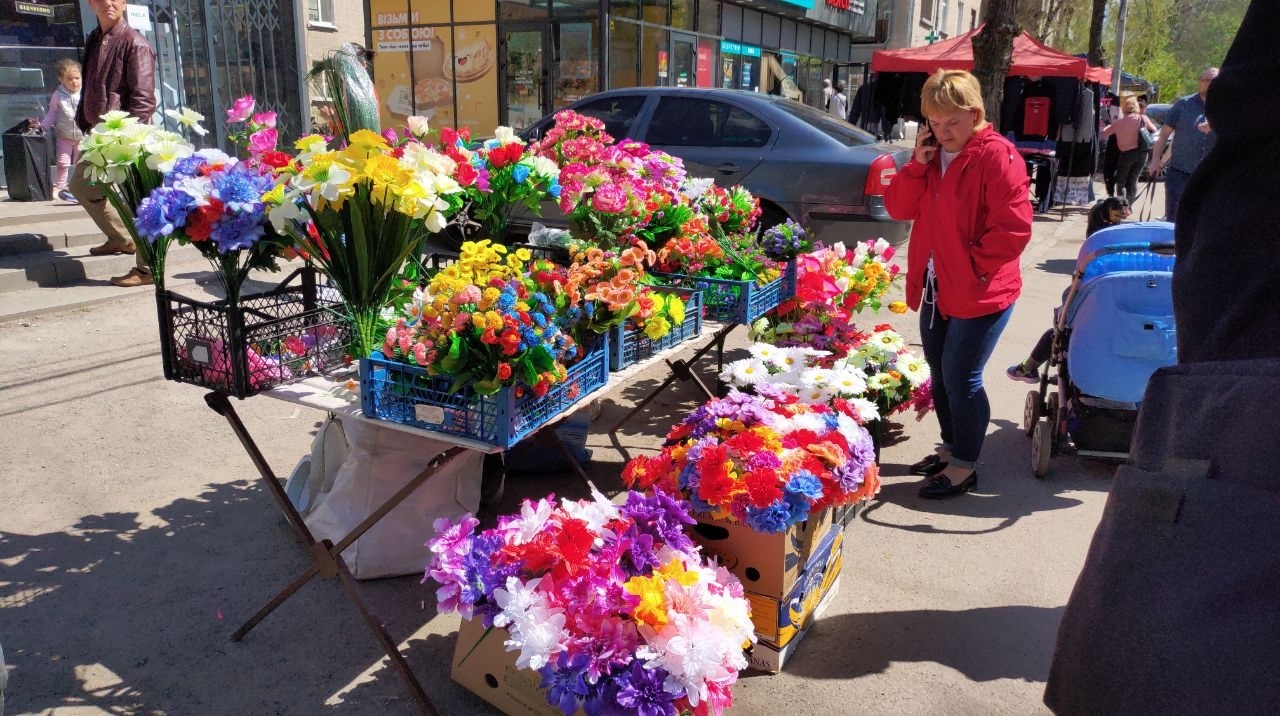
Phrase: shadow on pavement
{"type": "Point", "coordinates": [983, 644]}
{"type": "Point", "coordinates": [1064, 267]}
{"type": "Point", "coordinates": [129, 613]}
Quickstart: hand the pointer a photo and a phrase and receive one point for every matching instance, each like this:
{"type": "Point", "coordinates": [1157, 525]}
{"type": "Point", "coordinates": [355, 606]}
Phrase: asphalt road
{"type": "Point", "coordinates": [135, 537]}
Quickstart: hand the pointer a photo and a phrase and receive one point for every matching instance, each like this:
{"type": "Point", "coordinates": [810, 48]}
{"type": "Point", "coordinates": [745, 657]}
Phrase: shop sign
{"type": "Point", "coordinates": [838, 4]}
{"type": "Point", "coordinates": [30, 8]}
{"type": "Point", "coordinates": [735, 48]}
{"type": "Point", "coordinates": [806, 4]}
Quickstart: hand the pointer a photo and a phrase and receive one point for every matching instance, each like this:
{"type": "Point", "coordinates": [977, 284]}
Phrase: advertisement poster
{"type": "Point", "coordinates": [704, 64]}
{"type": "Point", "coordinates": [472, 64]}
{"type": "Point", "coordinates": [392, 83]}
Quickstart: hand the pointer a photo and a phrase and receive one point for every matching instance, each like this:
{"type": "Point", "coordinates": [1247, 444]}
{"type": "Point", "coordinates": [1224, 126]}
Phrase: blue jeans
{"type": "Point", "coordinates": [957, 350]}
{"type": "Point", "coordinates": [1174, 182]}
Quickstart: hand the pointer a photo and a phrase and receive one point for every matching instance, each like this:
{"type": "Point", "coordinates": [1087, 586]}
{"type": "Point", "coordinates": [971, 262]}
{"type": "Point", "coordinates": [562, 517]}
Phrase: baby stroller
{"type": "Point", "coordinates": [1114, 329]}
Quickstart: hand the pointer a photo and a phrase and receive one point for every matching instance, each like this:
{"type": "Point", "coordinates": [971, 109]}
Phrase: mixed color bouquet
{"type": "Point", "coordinates": [897, 379]}
{"type": "Point", "coordinates": [612, 604]}
{"type": "Point", "coordinates": [500, 176]}
{"type": "Point", "coordinates": [731, 211]}
{"type": "Point", "coordinates": [735, 257]}
{"type": "Point", "coordinates": [482, 321]}
{"type": "Point", "coordinates": [129, 159]}
{"type": "Point", "coordinates": [370, 208]}
{"type": "Point", "coordinates": [767, 462]}
{"type": "Point", "coordinates": [779, 372]}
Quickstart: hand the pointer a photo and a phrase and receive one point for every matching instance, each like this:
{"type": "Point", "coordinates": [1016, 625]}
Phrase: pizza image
{"type": "Point", "coordinates": [470, 62]}
{"type": "Point", "coordinates": [430, 91]}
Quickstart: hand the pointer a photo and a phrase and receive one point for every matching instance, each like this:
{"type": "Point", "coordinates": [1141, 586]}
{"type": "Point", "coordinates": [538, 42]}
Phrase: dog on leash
{"type": "Point", "coordinates": [1108, 212]}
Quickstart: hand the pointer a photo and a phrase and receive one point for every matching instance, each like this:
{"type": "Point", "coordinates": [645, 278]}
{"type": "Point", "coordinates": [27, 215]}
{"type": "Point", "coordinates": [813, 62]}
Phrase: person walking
{"type": "Point", "coordinates": [119, 74]}
{"type": "Point", "coordinates": [1185, 121]}
{"type": "Point", "coordinates": [61, 118]}
{"type": "Point", "coordinates": [966, 189]}
{"type": "Point", "coordinates": [827, 91]}
{"type": "Point", "coordinates": [838, 107]}
{"type": "Point", "coordinates": [1133, 150]}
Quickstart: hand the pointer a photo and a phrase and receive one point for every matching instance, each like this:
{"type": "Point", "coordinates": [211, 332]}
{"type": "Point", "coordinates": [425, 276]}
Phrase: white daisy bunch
{"type": "Point", "coordinates": [892, 373]}
{"type": "Point", "coordinates": [773, 370]}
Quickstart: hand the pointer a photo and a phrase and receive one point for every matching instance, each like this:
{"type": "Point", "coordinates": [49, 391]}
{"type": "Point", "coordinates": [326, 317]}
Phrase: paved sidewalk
{"type": "Point", "coordinates": [136, 537]}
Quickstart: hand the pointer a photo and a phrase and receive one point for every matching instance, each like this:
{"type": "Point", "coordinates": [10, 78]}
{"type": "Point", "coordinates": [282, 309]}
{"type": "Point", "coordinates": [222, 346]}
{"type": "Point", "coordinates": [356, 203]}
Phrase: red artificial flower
{"type": "Point", "coordinates": [541, 387]}
{"type": "Point", "coordinates": [639, 473]}
{"type": "Point", "coordinates": [489, 337]}
{"type": "Point", "coordinates": [573, 543]}
{"type": "Point", "coordinates": [504, 371]}
{"type": "Point", "coordinates": [465, 174]}
{"type": "Point", "coordinates": [200, 221]}
{"type": "Point", "coordinates": [277, 160]}
{"type": "Point", "coordinates": [762, 488]}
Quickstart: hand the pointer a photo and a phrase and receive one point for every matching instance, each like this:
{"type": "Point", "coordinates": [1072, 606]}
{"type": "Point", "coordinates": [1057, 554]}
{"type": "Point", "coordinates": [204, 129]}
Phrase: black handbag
{"type": "Point", "coordinates": [1145, 140]}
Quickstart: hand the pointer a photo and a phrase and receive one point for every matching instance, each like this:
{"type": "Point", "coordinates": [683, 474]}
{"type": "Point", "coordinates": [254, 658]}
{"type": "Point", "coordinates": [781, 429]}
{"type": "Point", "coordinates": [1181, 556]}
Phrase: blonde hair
{"type": "Point", "coordinates": [65, 64]}
{"type": "Point", "coordinates": [1130, 100]}
{"type": "Point", "coordinates": [948, 91]}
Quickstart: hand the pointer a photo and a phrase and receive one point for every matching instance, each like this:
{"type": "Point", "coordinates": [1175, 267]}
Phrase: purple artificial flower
{"type": "Point", "coordinates": [661, 517]}
{"type": "Point", "coordinates": [240, 188]}
{"type": "Point", "coordinates": [862, 453]}
{"type": "Point", "coordinates": [642, 691]}
{"type": "Point", "coordinates": [238, 231]}
{"type": "Point", "coordinates": [563, 679]}
{"type": "Point", "coordinates": [163, 212]}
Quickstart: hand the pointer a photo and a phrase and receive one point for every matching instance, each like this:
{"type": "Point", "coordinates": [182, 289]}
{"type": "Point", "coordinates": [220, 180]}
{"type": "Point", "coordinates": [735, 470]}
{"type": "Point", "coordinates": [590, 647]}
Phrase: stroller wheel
{"type": "Point", "coordinates": [1031, 411]}
{"type": "Point", "coordinates": [1056, 421]}
{"type": "Point", "coordinates": [1041, 448]}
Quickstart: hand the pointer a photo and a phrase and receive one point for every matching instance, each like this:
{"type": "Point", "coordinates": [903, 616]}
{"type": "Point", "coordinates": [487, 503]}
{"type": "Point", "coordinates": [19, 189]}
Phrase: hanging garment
{"type": "Point", "coordinates": [1035, 118]}
{"type": "Point", "coordinates": [1085, 122]}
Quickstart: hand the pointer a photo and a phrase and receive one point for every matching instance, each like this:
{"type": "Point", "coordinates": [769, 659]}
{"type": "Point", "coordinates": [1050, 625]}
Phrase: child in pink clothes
{"type": "Point", "coordinates": [62, 118]}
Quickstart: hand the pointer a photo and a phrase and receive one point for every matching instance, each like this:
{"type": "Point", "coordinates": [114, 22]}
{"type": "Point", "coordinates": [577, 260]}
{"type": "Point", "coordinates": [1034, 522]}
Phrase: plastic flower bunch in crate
{"type": "Point", "coordinates": [483, 323]}
{"type": "Point", "coordinates": [810, 375]}
{"type": "Point", "coordinates": [128, 159]}
{"type": "Point", "coordinates": [370, 209]}
{"type": "Point", "coordinates": [733, 258]}
{"type": "Point", "coordinates": [765, 461]}
{"type": "Point", "coordinates": [573, 138]}
{"type": "Point", "coordinates": [897, 379]}
{"type": "Point", "coordinates": [604, 601]}
{"type": "Point", "coordinates": [732, 211]}
{"type": "Point", "coordinates": [499, 176]}
{"type": "Point", "coordinates": [605, 288]}
{"type": "Point", "coordinates": [785, 241]}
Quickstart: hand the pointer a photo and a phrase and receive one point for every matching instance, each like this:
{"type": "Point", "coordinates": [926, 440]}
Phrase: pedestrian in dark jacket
{"type": "Point", "coordinates": [962, 263]}
{"type": "Point", "coordinates": [119, 74]}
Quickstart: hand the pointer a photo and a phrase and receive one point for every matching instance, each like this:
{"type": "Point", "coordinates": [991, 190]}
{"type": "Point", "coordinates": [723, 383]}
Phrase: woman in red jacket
{"type": "Point", "coordinates": [966, 190]}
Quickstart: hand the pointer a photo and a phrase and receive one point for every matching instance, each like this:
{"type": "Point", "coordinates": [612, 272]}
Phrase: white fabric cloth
{"type": "Point", "coordinates": [378, 462]}
{"type": "Point", "coordinates": [838, 107]}
{"type": "Point", "coordinates": [945, 159]}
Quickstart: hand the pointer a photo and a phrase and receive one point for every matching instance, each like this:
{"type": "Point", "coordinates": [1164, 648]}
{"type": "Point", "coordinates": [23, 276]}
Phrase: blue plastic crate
{"type": "Point", "coordinates": [737, 301]}
{"type": "Point", "coordinates": [407, 394]}
{"type": "Point", "coordinates": [627, 345]}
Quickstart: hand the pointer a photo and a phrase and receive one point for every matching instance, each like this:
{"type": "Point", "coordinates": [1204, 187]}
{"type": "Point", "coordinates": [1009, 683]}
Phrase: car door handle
{"type": "Point", "coordinates": [728, 168]}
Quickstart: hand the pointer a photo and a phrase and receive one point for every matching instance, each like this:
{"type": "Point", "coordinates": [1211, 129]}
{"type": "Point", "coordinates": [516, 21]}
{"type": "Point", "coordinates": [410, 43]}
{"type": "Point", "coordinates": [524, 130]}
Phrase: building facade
{"type": "Point", "coordinates": [481, 64]}
{"type": "Point", "coordinates": [913, 23]}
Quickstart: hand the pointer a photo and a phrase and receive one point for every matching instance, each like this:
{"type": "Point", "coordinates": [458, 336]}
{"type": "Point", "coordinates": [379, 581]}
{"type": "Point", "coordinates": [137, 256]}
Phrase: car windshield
{"type": "Point", "coordinates": [842, 132]}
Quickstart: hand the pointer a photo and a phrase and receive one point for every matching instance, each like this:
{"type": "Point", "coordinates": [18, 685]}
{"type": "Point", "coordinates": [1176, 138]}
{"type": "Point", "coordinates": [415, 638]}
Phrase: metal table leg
{"type": "Point", "coordinates": [326, 556]}
{"type": "Point", "coordinates": [683, 370]}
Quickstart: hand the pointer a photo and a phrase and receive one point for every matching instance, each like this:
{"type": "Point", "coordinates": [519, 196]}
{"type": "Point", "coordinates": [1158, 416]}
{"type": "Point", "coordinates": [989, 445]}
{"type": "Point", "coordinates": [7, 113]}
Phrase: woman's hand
{"type": "Point", "coordinates": [926, 145]}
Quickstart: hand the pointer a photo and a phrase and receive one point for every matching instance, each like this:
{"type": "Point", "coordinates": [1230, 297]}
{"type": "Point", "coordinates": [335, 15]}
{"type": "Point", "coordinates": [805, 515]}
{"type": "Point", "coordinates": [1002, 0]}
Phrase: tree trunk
{"type": "Point", "coordinates": [993, 53]}
{"type": "Point", "coordinates": [1096, 56]}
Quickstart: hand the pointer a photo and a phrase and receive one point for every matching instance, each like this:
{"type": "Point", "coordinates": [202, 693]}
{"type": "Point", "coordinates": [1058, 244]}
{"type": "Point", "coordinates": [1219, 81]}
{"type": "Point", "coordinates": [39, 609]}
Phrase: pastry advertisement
{"type": "Point", "coordinates": [393, 84]}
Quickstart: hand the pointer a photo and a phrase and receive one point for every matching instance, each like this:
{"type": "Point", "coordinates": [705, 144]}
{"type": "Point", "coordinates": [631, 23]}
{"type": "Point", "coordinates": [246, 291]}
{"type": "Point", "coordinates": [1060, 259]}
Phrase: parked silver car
{"type": "Point", "coordinates": [803, 164]}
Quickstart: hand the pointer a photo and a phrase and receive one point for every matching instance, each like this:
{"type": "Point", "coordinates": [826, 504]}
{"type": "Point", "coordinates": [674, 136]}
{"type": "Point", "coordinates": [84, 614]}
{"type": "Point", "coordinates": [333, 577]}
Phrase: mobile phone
{"type": "Point", "coordinates": [930, 141]}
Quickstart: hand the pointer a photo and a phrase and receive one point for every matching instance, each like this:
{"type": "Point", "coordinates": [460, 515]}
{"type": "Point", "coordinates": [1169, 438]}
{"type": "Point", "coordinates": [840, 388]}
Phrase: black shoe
{"type": "Point", "coordinates": [940, 488]}
{"type": "Point", "coordinates": [931, 465]}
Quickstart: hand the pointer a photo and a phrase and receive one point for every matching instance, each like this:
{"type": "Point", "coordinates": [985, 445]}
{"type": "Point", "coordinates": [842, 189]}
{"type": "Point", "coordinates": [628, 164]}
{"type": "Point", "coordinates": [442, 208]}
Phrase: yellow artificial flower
{"type": "Point", "coordinates": [387, 177]}
{"type": "Point", "coordinates": [674, 571]}
{"type": "Point", "coordinates": [652, 608]}
{"type": "Point", "coordinates": [675, 309]}
{"type": "Point", "coordinates": [898, 307]}
{"type": "Point", "coordinates": [657, 327]}
{"type": "Point", "coordinates": [489, 297]}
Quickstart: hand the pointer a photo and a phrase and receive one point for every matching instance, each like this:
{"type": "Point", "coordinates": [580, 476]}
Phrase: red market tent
{"type": "Point", "coordinates": [1031, 58]}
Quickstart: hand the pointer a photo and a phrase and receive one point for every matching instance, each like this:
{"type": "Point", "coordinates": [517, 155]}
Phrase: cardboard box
{"type": "Point", "coordinates": [484, 666]}
{"type": "Point", "coordinates": [778, 621]}
{"type": "Point", "coordinates": [766, 564]}
{"type": "Point", "coordinates": [845, 514]}
{"type": "Point", "coordinates": [771, 659]}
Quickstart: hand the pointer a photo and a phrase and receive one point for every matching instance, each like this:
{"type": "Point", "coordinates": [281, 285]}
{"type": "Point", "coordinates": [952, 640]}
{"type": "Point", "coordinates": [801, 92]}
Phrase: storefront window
{"type": "Point", "coordinates": [30, 47]}
{"type": "Point", "coordinates": [682, 14]}
{"type": "Point", "coordinates": [576, 74]}
{"type": "Point", "coordinates": [522, 10]}
{"type": "Point", "coordinates": [577, 8]}
{"type": "Point", "coordinates": [624, 53]}
{"type": "Point", "coordinates": [709, 16]}
{"type": "Point", "coordinates": [655, 60]}
{"type": "Point", "coordinates": [655, 11]}
{"type": "Point", "coordinates": [629, 9]}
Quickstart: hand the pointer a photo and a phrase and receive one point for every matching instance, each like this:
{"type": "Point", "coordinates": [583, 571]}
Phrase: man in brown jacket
{"type": "Point", "coordinates": [119, 73]}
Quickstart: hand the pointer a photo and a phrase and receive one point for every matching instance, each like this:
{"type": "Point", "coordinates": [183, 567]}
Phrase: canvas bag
{"type": "Point", "coordinates": [1174, 611]}
{"type": "Point", "coordinates": [379, 461]}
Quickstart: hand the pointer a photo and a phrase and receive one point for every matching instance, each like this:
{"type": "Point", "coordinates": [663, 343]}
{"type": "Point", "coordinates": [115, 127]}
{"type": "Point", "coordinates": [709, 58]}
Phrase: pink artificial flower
{"type": "Point", "coordinates": [241, 110]}
{"type": "Point", "coordinates": [420, 353]}
{"type": "Point", "coordinates": [609, 199]}
{"type": "Point", "coordinates": [417, 126]}
{"type": "Point", "coordinates": [263, 120]}
{"type": "Point", "coordinates": [263, 141]}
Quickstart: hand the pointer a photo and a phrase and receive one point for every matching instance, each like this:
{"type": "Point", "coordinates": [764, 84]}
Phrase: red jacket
{"type": "Point", "coordinates": [975, 222]}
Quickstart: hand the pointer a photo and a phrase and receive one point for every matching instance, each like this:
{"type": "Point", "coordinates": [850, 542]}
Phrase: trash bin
{"type": "Point", "coordinates": [26, 164]}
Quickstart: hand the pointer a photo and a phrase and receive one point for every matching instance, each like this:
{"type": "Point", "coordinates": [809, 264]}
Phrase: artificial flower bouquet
{"type": "Point", "coordinates": [897, 379]}
{"type": "Point", "coordinates": [499, 176]}
{"type": "Point", "coordinates": [785, 242]}
{"type": "Point", "coordinates": [483, 322]}
{"type": "Point", "coordinates": [801, 372]}
{"type": "Point", "coordinates": [370, 209]}
{"type": "Point", "coordinates": [768, 462]}
{"type": "Point", "coordinates": [732, 210]}
{"type": "Point", "coordinates": [128, 159]}
{"type": "Point", "coordinates": [612, 605]}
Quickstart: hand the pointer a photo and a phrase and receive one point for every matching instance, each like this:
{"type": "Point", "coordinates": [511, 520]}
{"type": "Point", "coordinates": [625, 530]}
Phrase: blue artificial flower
{"type": "Point", "coordinates": [241, 187]}
{"type": "Point", "coordinates": [806, 484]}
{"type": "Point", "coordinates": [507, 300]}
{"type": "Point", "coordinates": [238, 231]}
{"type": "Point", "coordinates": [641, 691]}
{"type": "Point", "coordinates": [520, 173]}
{"type": "Point", "coordinates": [565, 682]}
{"type": "Point", "coordinates": [163, 212]}
{"type": "Point", "coordinates": [540, 319]}
{"type": "Point", "coordinates": [184, 169]}
{"type": "Point", "coordinates": [554, 189]}
{"type": "Point", "coordinates": [772, 519]}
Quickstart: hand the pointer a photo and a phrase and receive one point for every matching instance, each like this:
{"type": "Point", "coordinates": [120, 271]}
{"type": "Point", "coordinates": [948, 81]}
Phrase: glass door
{"type": "Point", "coordinates": [525, 76]}
{"type": "Point", "coordinates": [683, 59]}
{"type": "Point", "coordinates": [578, 65]}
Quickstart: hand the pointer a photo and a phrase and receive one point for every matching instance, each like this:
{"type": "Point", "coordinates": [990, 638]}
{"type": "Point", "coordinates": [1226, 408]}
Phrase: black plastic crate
{"type": "Point", "coordinates": [272, 338]}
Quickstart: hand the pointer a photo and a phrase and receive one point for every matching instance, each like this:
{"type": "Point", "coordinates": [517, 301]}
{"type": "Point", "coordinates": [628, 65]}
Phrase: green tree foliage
{"type": "Point", "coordinates": [1168, 42]}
